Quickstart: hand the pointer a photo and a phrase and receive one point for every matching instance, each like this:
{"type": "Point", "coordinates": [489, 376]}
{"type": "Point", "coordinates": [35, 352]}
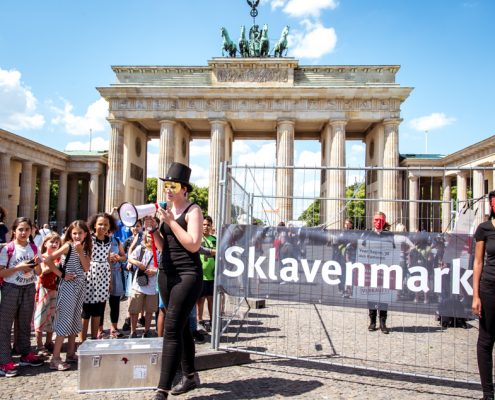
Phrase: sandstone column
{"type": "Point", "coordinates": [73, 188]}
{"type": "Point", "coordinates": [334, 139]}
{"type": "Point", "coordinates": [25, 200]}
{"type": "Point", "coordinates": [461, 190]}
{"type": "Point", "coordinates": [166, 156]}
{"type": "Point", "coordinates": [44, 196]}
{"type": "Point", "coordinates": [390, 177]}
{"type": "Point", "coordinates": [478, 192]}
{"type": "Point", "coordinates": [217, 156]}
{"type": "Point", "coordinates": [413, 203]}
{"type": "Point", "coordinates": [115, 182]}
{"type": "Point", "coordinates": [93, 193]}
{"type": "Point", "coordinates": [436, 218]}
{"type": "Point", "coordinates": [425, 222]}
{"type": "Point", "coordinates": [5, 182]}
{"type": "Point", "coordinates": [285, 176]}
{"type": "Point", "coordinates": [62, 201]}
{"type": "Point", "coordinates": [446, 205]}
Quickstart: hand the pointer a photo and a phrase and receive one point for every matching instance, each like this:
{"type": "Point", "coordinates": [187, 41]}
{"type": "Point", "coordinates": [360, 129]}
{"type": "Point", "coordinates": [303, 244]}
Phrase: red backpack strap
{"type": "Point", "coordinates": [10, 252]}
{"type": "Point", "coordinates": [34, 248]}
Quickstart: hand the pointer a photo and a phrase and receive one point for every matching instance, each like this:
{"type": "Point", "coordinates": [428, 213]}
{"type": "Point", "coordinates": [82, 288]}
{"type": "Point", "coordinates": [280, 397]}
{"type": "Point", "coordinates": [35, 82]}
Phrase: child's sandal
{"type": "Point", "coordinates": [42, 351]}
{"type": "Point", "coordinates": [71, 359]}
{"type": "Point", "coordinates": [58, 365]}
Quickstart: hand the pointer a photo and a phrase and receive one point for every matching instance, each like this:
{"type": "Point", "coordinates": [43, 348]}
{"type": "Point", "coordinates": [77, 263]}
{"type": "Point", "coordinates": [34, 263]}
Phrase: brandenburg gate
{"type": "Point", "coordinates": [255, 98]}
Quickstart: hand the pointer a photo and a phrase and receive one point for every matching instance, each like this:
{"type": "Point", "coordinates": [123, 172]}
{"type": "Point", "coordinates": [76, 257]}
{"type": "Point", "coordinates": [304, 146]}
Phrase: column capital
{"type": "Point", "coordinates": [392, 121]}
{"type": "Point", "coordinates": [116, 123]}
{"type": "Point", "coordinates": [170, 121]}
{"type": "Point", "coordinates": [288, 121]}
{"type": "Point", "coordinates": [412, 177]}
{"type": "Point", "coordinates": [219, 121]}
{"type": "Point", "coordinates": [338, 121]}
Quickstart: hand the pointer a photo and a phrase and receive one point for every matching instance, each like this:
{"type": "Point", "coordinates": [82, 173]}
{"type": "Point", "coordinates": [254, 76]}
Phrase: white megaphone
{"type": "Point", "coordinates": [129, 214]}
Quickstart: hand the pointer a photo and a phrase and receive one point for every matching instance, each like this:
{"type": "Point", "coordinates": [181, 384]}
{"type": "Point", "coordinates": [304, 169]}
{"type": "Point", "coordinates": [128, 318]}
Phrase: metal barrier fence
{"type": "Point", "coordinates": [418, 344]}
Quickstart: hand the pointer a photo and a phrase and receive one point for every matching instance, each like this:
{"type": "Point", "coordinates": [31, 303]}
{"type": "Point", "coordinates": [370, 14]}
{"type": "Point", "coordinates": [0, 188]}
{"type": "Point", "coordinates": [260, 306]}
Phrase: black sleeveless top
{"type": "Point", "coordinates": [175, 258]}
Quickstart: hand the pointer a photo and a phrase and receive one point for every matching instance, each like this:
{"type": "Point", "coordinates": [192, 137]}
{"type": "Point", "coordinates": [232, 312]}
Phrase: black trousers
{"type": "Point", "coordinates": [486, 336]}
{"type": "Point", "coordinates": [373, 313]}
{"type": "Point", "coordinates": [180, 293]}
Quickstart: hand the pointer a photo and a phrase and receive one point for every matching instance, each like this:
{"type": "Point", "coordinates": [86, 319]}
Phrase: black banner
{"type": "Point", "coordinates": [412, 272]}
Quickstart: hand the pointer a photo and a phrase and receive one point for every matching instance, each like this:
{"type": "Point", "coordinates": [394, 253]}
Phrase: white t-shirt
{"type": "Point", "coordinates": [20, 254]}
{"type": "Point", "coordinates": [150, 288]}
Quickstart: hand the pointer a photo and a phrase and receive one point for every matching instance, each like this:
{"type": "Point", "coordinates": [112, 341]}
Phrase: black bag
{"type": "Point", "coordinates": [141, 277]}
{"type": "Point", "coordinates": [63, 268]}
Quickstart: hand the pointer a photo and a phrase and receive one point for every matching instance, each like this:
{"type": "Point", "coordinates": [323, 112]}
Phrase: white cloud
{"type": "Point", "coordinates": [302, 8]}
{"type": "Point", "coordinates": [265, 155]}
{"type": "Point", "coordinates": [199, 148]}
{"type": "Point", "coordinates": [152, 167]}
{"type": "Point", "coordinates": [199, 175]}
{"type": "Point", "coordinates": [314, 42]}
{"type": "Point", "coordinates": [309, 159]}
{"type": "Point", "coordinates": [242, 146]}
{"type": "Point", "coordinates": [154, 144]}
{"type": "Point", "coordinates": [307, 8]}
{"type": "Point", "coordinates": [431, 122]}
{"type": "Point", "coordinates": [17, 103]}
{"type": "Point", "coordinates": [95, 118]}
{"type": "Point", "coordinates": [97, 144]}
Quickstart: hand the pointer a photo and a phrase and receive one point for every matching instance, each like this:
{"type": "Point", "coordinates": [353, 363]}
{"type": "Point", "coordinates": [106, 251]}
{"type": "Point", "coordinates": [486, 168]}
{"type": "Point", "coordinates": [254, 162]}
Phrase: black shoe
{"type": "Point", "coordinates": [372, 327]}
{"type": "Point", "coordinates": [199, 337]}
{"type": "Point", "coordinates": [141, 321]}
{"type": "Point", "coordinates": [160, 395]}
{"type": "Point", "coordinates": [383, 328]}
{"type": "Point", "coordinates": [127, 325]}
{"type": "Point", "coordinates": [186, 384]}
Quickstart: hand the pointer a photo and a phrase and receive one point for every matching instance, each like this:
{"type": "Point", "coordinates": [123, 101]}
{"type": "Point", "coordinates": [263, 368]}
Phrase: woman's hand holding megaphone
{"type": "Point", "coordinates": [149, 223]}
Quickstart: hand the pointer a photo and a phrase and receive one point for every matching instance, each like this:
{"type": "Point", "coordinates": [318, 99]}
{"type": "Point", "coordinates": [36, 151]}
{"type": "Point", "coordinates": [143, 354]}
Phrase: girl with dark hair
{"type": "Point", "coordinates": [483, 304]}
{"type": "Point", "coordinates": [19, 267]}
{"type": "Point", "coordinates": [75, 256]}
{"type": "Point", "coordinates": [99, 276]}
{"type": "Point", "coordinates": [180, 279]}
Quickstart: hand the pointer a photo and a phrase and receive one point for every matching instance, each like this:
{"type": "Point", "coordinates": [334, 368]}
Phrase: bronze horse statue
{"type": "Point", "coordinates": [264, 42]}
{"type": "Point", "coordinates": [281, 45]}
{"type": "Point", "coordinates": [228, 45]}
{"type": "Point", "coordinates": [243, 43]}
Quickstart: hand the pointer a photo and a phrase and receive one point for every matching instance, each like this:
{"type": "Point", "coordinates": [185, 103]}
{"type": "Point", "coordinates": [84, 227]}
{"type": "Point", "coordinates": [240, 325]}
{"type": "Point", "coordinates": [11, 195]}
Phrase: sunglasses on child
{"type": "Point", "coordinates": [174, 187]}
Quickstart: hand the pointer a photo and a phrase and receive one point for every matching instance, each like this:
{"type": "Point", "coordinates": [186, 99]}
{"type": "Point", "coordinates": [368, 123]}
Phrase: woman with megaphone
{"type": "Point", "coordinates": [180, 278]}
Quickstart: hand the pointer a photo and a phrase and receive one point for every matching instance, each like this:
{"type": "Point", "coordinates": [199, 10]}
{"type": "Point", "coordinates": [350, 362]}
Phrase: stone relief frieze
{"type": "Point", "coordinates": [202, 105]}
{"type": "Point", "coordinates": [252, 75]}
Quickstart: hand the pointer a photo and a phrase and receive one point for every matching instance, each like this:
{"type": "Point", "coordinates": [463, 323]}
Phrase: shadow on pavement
{"type": "Point", "coordinates": [260, 388]}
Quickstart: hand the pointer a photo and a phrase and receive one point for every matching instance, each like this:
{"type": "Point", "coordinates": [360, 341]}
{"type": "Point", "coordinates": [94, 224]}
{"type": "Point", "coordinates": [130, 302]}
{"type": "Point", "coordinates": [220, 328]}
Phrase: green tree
{"type": "Point", "coordinates": [151, 190]}
{"type": "Point", "coordinates": [312, 214]}
{"type": "Point", "coordinates": [199, 195]}
{"type": "Point", "coordinates": [356, 209]}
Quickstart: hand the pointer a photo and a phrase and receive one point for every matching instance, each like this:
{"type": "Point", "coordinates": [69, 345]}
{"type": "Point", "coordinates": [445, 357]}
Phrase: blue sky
{"type": "Point", "coordinates": [53, 55]}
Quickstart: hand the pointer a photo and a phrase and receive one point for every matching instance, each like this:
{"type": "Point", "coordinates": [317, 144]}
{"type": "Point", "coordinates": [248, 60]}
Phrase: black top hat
{"type": "Point", "coordinates": [179, 173]}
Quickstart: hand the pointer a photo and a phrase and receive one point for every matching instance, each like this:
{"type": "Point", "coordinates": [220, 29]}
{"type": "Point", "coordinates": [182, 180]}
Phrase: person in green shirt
{"type": "Point", "coordinates": [207, 255]}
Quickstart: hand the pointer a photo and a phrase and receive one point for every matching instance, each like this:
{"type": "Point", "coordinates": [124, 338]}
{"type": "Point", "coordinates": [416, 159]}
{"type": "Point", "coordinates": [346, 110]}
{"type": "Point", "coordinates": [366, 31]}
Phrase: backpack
{"type": "Point", "coordinates": [10, 252]}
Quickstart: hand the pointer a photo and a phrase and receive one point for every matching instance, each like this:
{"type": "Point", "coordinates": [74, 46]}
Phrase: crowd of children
{"type": "Point", "coordinates": [60, 287]}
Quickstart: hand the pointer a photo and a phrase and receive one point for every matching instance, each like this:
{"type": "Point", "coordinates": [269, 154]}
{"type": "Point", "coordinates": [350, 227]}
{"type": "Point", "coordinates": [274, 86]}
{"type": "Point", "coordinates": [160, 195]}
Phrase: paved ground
{"type": "Point", "coordinates": [264, 378]}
